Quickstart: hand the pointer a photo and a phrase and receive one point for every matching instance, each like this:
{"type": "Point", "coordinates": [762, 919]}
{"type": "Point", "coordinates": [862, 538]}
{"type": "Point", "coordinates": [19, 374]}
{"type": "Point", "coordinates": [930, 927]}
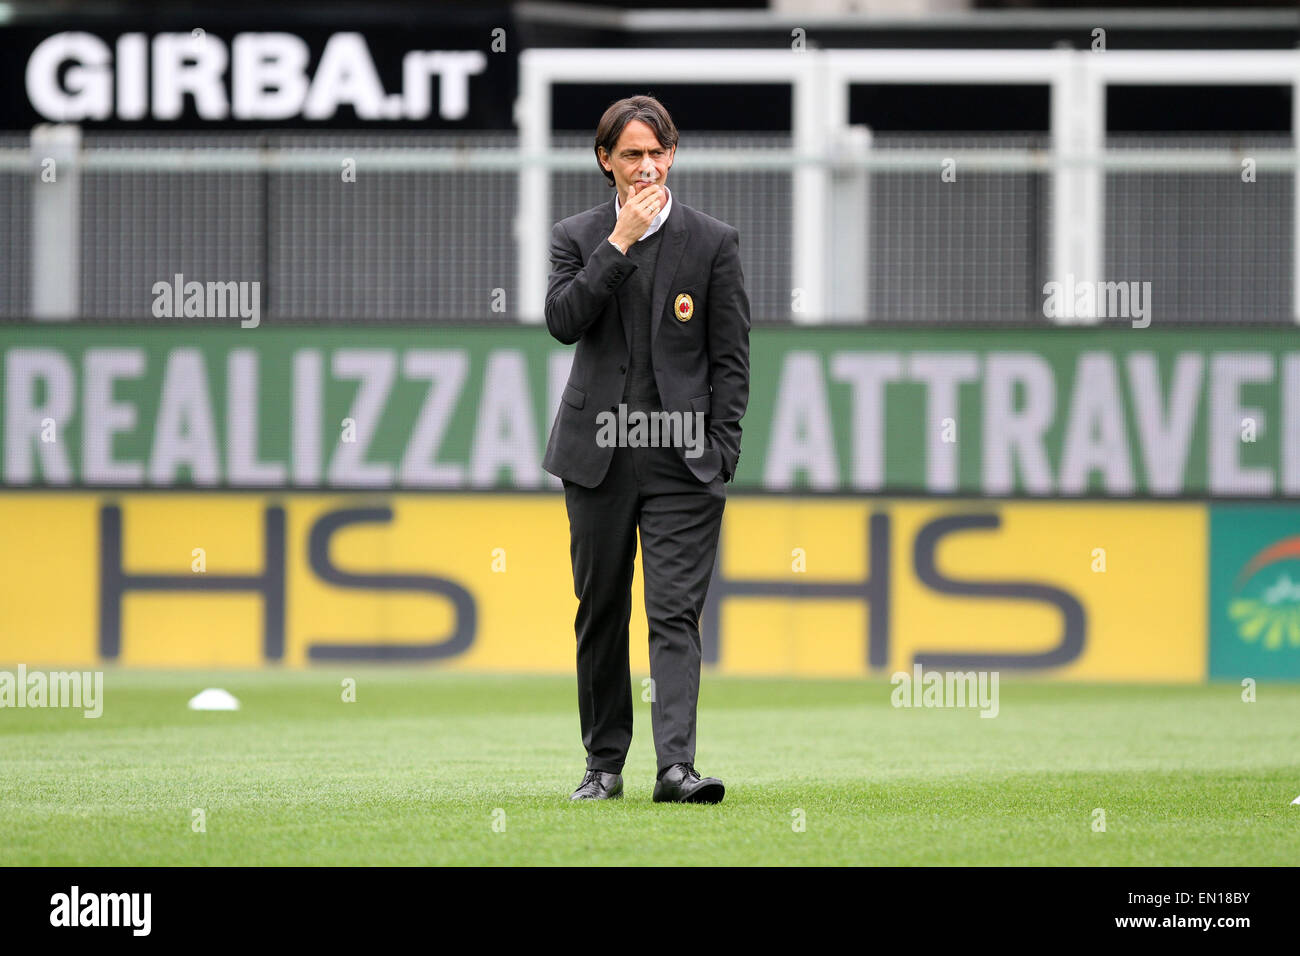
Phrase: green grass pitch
{"type": "Point", "coordinates": [422, 765]}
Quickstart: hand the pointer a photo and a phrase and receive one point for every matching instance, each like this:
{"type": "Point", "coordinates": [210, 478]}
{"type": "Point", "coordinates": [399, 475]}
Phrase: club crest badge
{"type": "Point", "coordinates": [684, 307]}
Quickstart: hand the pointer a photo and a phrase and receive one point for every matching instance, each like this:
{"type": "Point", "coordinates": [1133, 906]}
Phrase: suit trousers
{"type": "Point", "coordinates": [650, 490]}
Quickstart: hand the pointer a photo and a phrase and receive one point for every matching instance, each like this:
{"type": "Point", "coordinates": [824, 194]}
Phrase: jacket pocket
{"type": "Point", "coordinates": [702, 403]}
{"type": "Point", "coordinates": [575, 396]}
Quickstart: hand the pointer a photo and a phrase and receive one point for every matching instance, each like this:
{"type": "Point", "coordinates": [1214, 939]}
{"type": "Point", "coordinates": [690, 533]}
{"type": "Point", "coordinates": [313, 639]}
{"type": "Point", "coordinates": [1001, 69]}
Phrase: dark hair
{"type": "Point", "coordinates": [648, 110]}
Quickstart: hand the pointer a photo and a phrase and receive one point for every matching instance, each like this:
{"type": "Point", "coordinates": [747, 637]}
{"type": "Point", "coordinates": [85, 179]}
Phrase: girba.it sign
{"type": "Point", "coordinates": [75, 76]}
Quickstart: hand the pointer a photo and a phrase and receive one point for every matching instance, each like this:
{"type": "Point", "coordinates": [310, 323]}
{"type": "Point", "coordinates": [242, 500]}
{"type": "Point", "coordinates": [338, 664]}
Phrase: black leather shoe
{"type": "Point", "coordinates": [681, 784]}
{"type": "Point", "coordinates": [599, 785]}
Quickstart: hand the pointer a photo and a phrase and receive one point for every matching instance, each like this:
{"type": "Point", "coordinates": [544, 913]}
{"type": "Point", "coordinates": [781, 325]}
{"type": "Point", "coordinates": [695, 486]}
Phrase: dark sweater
{"type": "Point", "coordinates": [641, 389]}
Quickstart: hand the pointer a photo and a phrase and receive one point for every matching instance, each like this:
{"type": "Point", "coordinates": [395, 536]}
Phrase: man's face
{"type": "Point", "coordinates": [638, 159]}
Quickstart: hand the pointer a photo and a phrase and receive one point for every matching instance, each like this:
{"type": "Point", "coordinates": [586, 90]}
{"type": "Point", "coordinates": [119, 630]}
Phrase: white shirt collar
{"type": "Point", "coordinates": [657, 221]}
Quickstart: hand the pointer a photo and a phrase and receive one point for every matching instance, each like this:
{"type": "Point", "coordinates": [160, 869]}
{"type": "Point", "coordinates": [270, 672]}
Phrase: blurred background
{"type": "Point", "coordinates": [1023, 278]}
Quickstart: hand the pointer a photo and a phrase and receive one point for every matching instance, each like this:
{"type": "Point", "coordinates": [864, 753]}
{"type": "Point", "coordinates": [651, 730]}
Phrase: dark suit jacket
{"type": "Point", "coordinates": [700, 365]}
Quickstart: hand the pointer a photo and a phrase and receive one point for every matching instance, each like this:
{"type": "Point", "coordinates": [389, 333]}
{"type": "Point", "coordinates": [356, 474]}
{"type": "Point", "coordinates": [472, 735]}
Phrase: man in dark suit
{"type": "Point", "coordinates": [652, 292]}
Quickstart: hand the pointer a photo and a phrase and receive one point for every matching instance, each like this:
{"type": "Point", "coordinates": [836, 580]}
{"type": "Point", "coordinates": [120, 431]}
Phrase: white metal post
{"type": "Point", "coordinates": [532, 227]}
{"type": "Point", "coordinates": [1078, 124]}
{"type": "Point", "coordinates": [850, 222]}
{"type": "Point", "coordinates": [810, 194]}
{"type": "Point", "coordinates": [56, 222]}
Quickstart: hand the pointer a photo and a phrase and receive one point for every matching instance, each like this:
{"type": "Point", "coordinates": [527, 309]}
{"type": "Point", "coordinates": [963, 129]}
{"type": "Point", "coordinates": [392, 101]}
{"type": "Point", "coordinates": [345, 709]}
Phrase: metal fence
{"type": "Point", "coordinates": [923, 228]}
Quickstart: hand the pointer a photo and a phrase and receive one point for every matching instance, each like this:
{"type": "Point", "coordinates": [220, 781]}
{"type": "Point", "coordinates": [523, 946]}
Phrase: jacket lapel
{"type": "Point", "coordinates": [606, 227]}
{"type": "Point", "coordinates": [670, 256]}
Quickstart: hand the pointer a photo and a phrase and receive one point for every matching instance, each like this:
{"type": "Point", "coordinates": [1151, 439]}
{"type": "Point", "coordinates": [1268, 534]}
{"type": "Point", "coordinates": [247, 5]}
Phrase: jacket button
{"type": "Point", "coordinates": [613, 408]}
{"type": "Point", "coordinates": [622, 368]}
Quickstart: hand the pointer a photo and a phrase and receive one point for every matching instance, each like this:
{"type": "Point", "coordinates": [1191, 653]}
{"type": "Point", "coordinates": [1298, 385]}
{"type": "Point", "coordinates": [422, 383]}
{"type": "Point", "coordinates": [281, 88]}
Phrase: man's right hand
{"type": "Point", "coordinates": [637, 211]}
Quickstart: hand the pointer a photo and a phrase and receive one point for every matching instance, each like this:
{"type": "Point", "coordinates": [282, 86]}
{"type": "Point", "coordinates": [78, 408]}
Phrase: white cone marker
{"type": "Point", "coordinates": [214, 698]}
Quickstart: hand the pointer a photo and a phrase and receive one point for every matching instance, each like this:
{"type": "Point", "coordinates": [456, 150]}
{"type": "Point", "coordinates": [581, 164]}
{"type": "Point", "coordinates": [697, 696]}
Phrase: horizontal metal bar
{"type": "Point", "coordinates": [219, 159]}
{"type": "Point", "coordinates": [632, 21]}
